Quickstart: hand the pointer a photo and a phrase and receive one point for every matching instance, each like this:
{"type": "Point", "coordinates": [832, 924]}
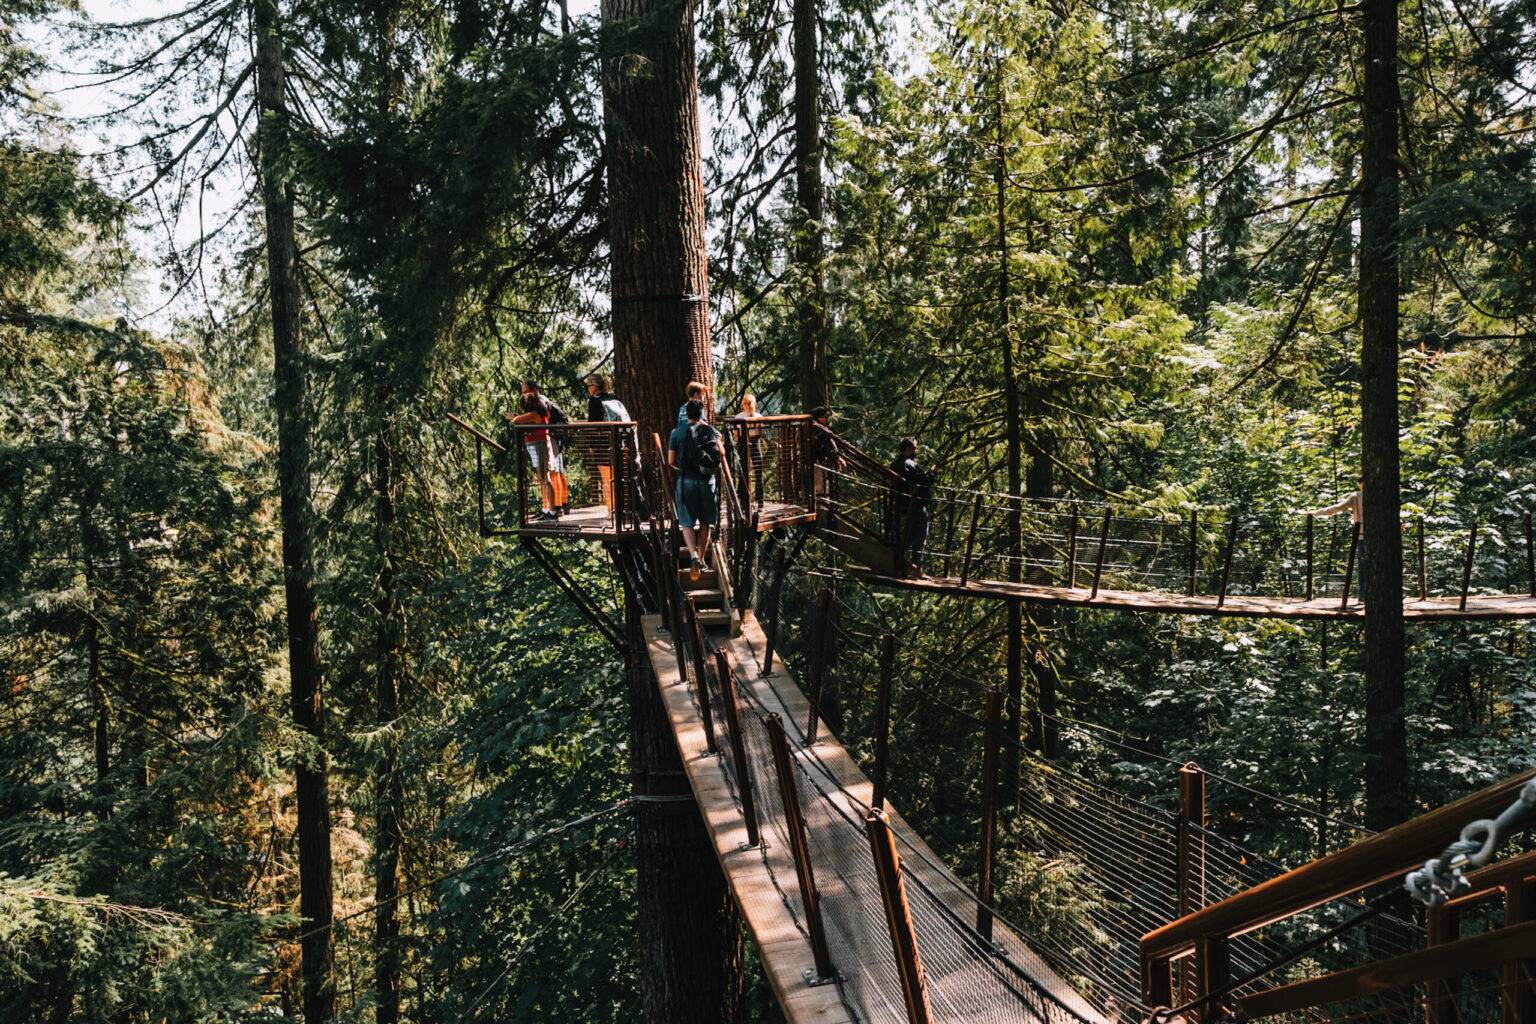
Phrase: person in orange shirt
{"type": "Point", "coordinates": [540, 458]}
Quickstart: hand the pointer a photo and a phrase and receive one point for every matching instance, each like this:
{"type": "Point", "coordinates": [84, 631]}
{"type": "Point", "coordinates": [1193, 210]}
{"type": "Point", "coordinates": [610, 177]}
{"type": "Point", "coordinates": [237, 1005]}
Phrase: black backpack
{"type": "Point", "coordinates": [699, 458]}
{"type": "Point", "coordinates": [555, 413]}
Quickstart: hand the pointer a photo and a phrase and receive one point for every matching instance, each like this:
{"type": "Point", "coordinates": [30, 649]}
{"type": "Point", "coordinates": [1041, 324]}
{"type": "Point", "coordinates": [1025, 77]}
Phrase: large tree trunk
{"type": "Point", "coordinates": [809, 248]}
{"type": "Point", "coordinates": [1014, 697]}
{"type": "Point", "coordinates": [1381, 569]}
{"type": "Point", "coordinates": [389, 792]}
{"type": "Point", "coordinates": [690, 936]}
{"type": "Point", "coordinates": [311, 783]}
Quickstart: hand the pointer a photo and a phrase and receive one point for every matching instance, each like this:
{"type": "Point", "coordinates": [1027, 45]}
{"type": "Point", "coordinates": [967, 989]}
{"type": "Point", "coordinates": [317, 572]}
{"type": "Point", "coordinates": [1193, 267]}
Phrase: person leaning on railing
{"type": "Point", "coordinates": [824, 451]}
{"type": "Point", "coordinates": [540, 458]}
{"type": "Point", "coordinates": [604, 407]}
{"type": "Point", "coordinates": [554, 416]}
{"type": "Point", "coordinates": [754, 443]}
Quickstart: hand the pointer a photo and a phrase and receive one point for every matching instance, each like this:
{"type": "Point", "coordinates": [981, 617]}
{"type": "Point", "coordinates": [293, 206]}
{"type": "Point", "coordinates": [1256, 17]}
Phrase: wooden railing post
{"type": "Point", "coordinates": [970, 543]}
{"type": "Point", "coordinates": [1466, 570]}
{"type": "Point", "coordinates": [1311, 522]}
{"type": "Point", "coordinates": [1194, 543]}
{"type": "Point", "coordinates": [1072, 551]}
{"type": "Point", "coordinates": [989, 758]}
{"type": "Point", "coordinates": [1213, 964]}
{"type": "Point", "coordinates": [521, 454]}
{"type": "Point", "coordinates": [1349, 565]}
{"type": "Point", "coordinates": [818, 658]}
{"type": "Point", "coordinates": [738, 746]}
{"type": "Point", "coordinates": [898, 919]}
{"type": "Point", "coordinates": [1530, 557]}
{"type": "Point", "coordinates": [701, 684]}
{"type": "Point", "coordinates": [1226, 562]}
{"type": "Point", "coordinates": [617, 473]}
{"type": "Point", "coordinates": [1441, 925]}
{"type": "Point", "coordinates": [1190, 841]}
{"type": "Point", "coordinates": [1519, 976]}
{"type": "Point", "coordinates": [794, 823]}
{"type": "Point", "coordinates": [1098, 565]}
{"type": "Point", "coordinates": [883, 719]}
{"type": "Point", "coordinates": [1423, 576]}
{"type": "Point", "coordinates": [775, 607]}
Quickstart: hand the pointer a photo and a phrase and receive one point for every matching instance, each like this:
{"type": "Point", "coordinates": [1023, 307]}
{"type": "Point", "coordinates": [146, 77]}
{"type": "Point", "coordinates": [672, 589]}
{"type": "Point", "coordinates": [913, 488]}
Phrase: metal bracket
{"type": "Point", "coordinates": [813, 980]}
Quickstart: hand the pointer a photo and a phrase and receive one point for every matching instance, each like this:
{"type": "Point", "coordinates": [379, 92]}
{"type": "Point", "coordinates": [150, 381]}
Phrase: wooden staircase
{"type": "Point", "coordinates": [711, 592]}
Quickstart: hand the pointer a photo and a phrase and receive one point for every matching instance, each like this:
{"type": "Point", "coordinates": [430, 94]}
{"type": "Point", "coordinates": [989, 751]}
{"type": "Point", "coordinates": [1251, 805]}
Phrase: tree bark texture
{"type": "Point", "coordinates": [660, 273]}
{"type": "Point", "coordinates": [311, 782]}
{"type": "Point", "coordinates": [811, 312]}
{"type": "Point", "coordinates": [689, 931]}
{"type": "Point", "coordinates": [1381, 569]}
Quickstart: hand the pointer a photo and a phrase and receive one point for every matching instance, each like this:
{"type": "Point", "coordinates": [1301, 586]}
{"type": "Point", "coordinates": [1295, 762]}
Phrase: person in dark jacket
{"type": "Point", "coordinates": [604, 407]}
{"type": "Point", "coordinates": [913, 496]}
{"type": "Point", "coordinates": [824, 452]}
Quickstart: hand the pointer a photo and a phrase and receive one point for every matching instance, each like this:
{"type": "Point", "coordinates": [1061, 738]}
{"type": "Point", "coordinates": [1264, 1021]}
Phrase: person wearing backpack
{"type": "Point", "coordinates": [604, 407]}
{"type": "Point", "coordinates": [913, 496]}
{"type": "Point", "coordinates": [554, 416]}
{"type": "Point", "coordinates": [695, 392]}
{"type": "Point", "coordinates": [694, 452]}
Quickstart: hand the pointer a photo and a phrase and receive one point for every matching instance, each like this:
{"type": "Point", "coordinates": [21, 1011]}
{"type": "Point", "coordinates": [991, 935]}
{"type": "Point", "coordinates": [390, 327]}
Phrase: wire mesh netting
{"type": "Point", "coordinates": [769, 458]}
{"type": "Point", "coordinates": [570, 477]}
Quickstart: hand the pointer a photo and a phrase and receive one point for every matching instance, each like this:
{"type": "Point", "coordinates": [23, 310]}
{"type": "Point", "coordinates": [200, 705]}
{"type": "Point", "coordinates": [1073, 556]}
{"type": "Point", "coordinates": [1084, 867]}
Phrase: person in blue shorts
{"type": "Point", "coordinates": [695, 452]}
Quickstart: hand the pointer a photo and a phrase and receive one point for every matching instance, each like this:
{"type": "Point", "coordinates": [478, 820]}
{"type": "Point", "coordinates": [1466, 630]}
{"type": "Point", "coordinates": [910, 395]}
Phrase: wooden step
{"type": "Point", "coordinates": [708, 580]}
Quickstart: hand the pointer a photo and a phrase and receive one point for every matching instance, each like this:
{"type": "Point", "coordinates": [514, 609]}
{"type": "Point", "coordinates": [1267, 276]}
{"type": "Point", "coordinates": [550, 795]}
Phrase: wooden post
{"type": "Point", "coordinates": [1441, 925]}
{"type": "Point", "coordinates": [616, 473]}
{"type": "Point", "coordinates": [822, 629]}
{"type": "Point", "coordinates": [1098, 565]}
{"type": "Point", "coordinates": [775, 595]}
{"type": "Point", "coordinates": [949, 535]}
{"type": "Point", "coordinates": [1349, 565]}
{"type": "Point", "coordinates": [794, 822]}
{"type": "Point", "coordinates": [989, 758]}
{"type": "Point", "coordinates": [1226, 562]}
{"type": "Point", "coordinates": [883, 719]}
{"type": "Point", "coordinates": [1423, 576]}
{"type": "Point", "coordinates": [1072, 550]}
{"type": "Point", "coordinates": [1519, 976]}
{"type": "Point", "coordinates": [522, 472]}
{"type": "Point", "coordinates": [1191, 858]}
{"type": "Point", "coordinates": [701, 685]}
{"type": "Point", "coordinates": [1466, 570]}
{"type": "Point", "coordinates": [898, 918]}
{"type": "Point", "coordinates": [1194, 535]}
{"type": "Point", "coordinates": [738, 745]}
{"type": "Point", "coordinates": [480, 486]}
{"type": "Point", "coordinates": [1530, 557]}
{"type": "Point", "coordinates": [1213, 964]}
{"type": "Point", "coordinates": [1311, 522]}
{"type": "Point", "coordinates": [970, 543]}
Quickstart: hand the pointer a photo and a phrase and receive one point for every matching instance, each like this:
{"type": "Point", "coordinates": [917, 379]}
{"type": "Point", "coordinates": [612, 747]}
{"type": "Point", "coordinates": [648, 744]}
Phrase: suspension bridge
{"type": "Point", "coordinates": [856, 918]}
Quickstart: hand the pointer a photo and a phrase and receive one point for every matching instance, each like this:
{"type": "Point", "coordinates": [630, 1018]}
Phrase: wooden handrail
{"type": "Point", "coordinates": [476, 431]}
{"type": "Point", "coordinates": [1344, 873]}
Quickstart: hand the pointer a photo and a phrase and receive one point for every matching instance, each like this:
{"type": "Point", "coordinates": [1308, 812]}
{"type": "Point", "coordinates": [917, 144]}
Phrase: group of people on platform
{"type": "Point", "coordinates": [695, 451]}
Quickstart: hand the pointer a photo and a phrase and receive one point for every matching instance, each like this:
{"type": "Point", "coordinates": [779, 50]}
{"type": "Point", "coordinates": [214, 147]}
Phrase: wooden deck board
{"type": "Point", "coordinates": [1446, 609]}
{"type": "Point", "coordinates": [594, 522]}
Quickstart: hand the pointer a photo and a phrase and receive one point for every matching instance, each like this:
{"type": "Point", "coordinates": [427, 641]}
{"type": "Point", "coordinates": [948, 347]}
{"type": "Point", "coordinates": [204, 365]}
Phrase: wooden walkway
{"type": "Point", "coordinates": [594, 522]}
{"type": "Point", "coordinates": [1432, 609]}
{"type": "Point", "coordinates": [761, 878]}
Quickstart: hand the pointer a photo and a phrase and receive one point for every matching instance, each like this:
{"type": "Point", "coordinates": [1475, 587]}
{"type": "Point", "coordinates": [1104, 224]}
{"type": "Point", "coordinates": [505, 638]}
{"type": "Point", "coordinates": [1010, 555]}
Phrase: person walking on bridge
{"type": "Point", "coordinates": [694, 452]}
{"type": "Point", "coordinates": [824, 452]}
{"type": "Point", "coordinates": [913, 495]}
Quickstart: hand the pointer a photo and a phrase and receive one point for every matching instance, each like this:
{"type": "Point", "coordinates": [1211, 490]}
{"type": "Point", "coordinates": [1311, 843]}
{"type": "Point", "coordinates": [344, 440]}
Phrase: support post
{"type": "Point", "coordinates": [883, 719]}
{"type": "Point", "coordinates": [989, 757]}
{"type": "Point", "coordinates": [1519, 976]}
{"type": "Point", "coordinates": [521, 454]}
{"type": "Point", "coordinates": [738, 746]}
{"type": "Point", "coordinates": [775, 607]}
{"type": "Point", "coordinates": [1349, 565]}
{"type": "Point", "coordinates": [701, 684]}
{"type": "Point", "coordinates": [1213, 964]}
{"type": "Point", "coordinates": [818, 660]}
{"type": "Point", "coordinates": [1194, 535]}
{"type": "Point", "coordinates": [1226, 562]}
{"type": "Point", "coordinates": [1098, 565]}
{"type": "Point", "coordinates": [1311, 523]}
{"type": "Point", "coordinates": [898, 918]}
{"type": "Point", "coordinates": [1191, 858]}
{"type": "Point", "coordinates": [970, 543]}
{"type": "Point", "coordinates": [1423, 576]}
{"type": "Point", "coordinates": [617, 474]}
{"type": "Point", "coordinates": [1441, 925]}
{"type": "Point", "coordinates": [1466, 569]}
{"type": "Point", "coordinates": [794, 821]}
{"type": "Point", "coordinates": [1072, 551]}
